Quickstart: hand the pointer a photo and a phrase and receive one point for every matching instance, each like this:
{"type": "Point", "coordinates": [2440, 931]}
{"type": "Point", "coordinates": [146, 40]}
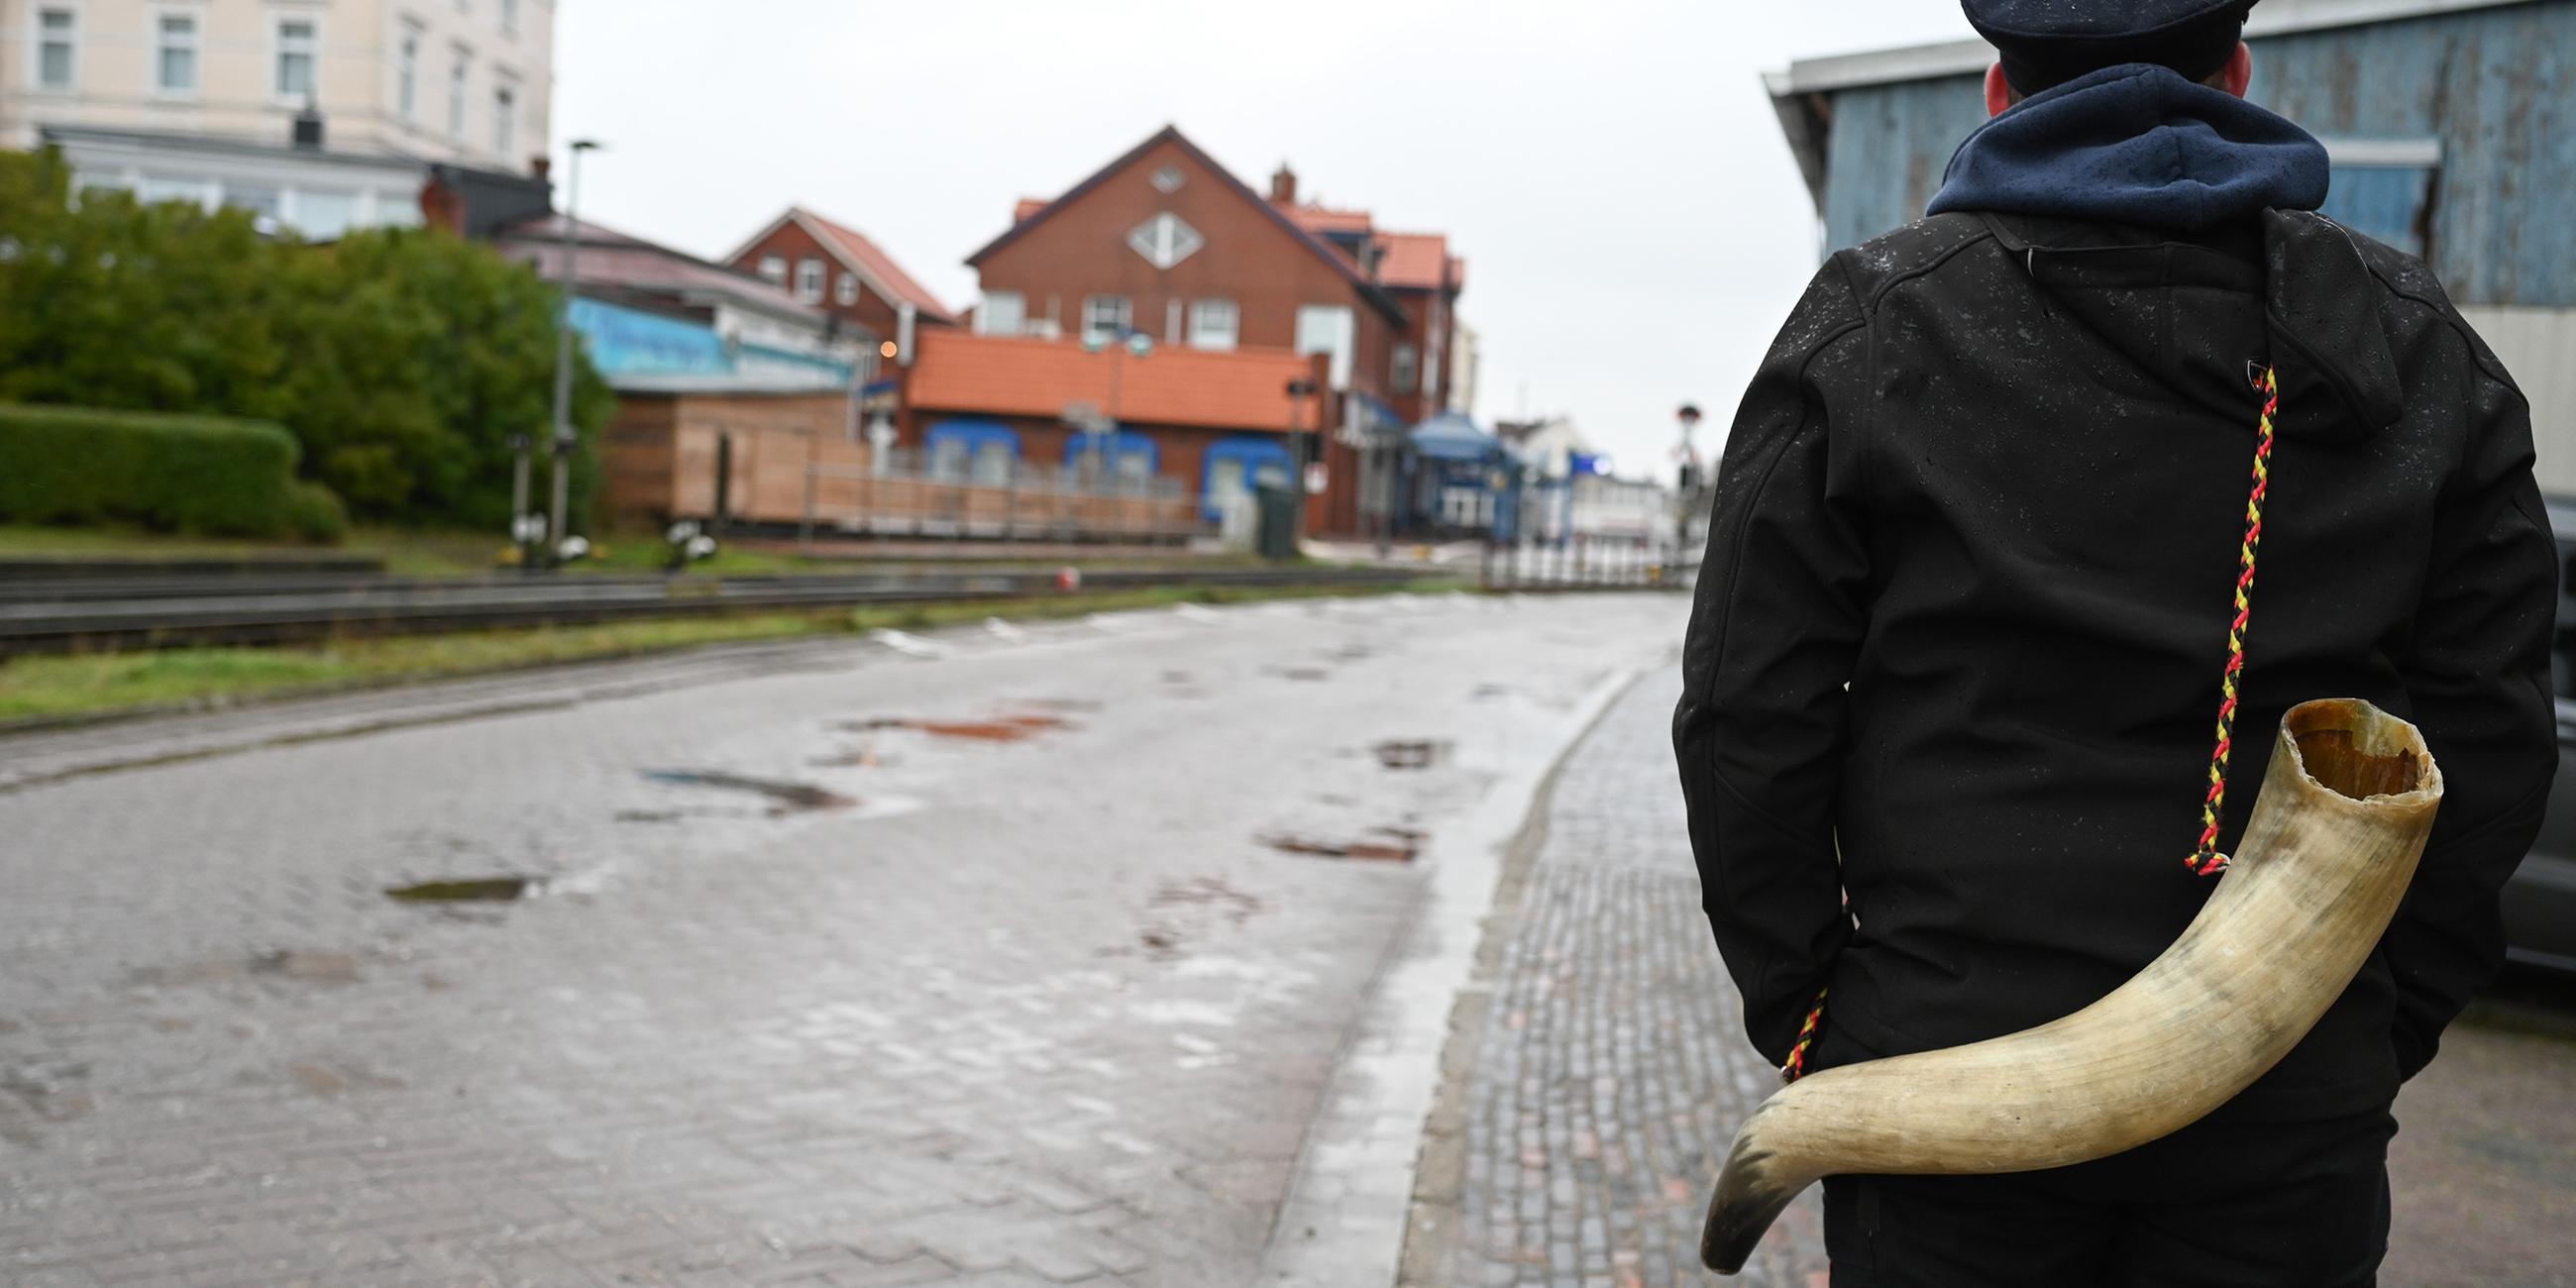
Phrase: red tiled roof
{"type": "Point", "coordinates": [873, 263]}
{"type": "Point", "coordinates": [1413, 261]}
{"type": "Point", "coordinates": [1368, 290]}
{"type": "Point", "coordinates": [1011, 376]}
{"type": "Point", "coordinates": [1323, 220]}
{"type": "Point", "coordinates": [609, 258]}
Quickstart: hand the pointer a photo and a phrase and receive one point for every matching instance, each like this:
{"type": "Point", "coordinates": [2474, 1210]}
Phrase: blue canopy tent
{"type": "Point", "coordinates": [1454, 469]}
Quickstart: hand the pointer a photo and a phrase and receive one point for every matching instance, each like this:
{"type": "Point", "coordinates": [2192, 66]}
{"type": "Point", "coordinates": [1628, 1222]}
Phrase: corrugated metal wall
{"type": "Point", "coordinates": [2539, 347]}
{"type": "Point", "coordinates": [2494, 85]}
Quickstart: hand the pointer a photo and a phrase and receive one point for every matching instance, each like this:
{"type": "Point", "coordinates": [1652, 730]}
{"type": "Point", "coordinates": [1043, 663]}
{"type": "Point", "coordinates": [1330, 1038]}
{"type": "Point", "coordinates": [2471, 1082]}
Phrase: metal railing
{"type": "Point", "coordinates": [1022, 504]}
{"type": "Point", "coordinates": [1584, 563]}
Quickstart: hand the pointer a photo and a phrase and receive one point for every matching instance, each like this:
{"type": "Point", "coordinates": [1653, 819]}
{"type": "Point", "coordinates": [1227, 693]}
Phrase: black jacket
{"type": "Point", "coordinates": [1957, 643]}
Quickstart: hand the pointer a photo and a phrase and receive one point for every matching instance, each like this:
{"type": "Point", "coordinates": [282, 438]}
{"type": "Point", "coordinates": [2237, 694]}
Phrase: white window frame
{"type": "Point", "coordinates": [407, 73]}
{"type": "Point", "coordinates": [161, 46]}
{"type": "Point", "coordinates": [1019, 314]}
{"type": "Point", "coordinates": [1204, 331]}
{"type": "Point", "coordinates": [809, 280]}
{"type": "Point", "coordinates": [773, 270]}
{"type": "Point", "coordinates": [505, 117]}
{"type": "Point", "coordinates": [1332, 329]}
{"type": "Point", "coordinates": [845, 292]}
{"type": "Point", "coordinates": [1125, 309]}
{"type": "Point", "coordinates": [39, 39]}
{"type": "Point", "coordinates": [460, 93]}
{"type": "Point", "coordinates": [277, 51]}
{"type": "Point", "coordinates": [1403, 368]}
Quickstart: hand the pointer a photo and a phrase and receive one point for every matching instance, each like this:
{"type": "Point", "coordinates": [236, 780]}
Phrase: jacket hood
{"type": "Point", "coordinates": [2136, 144]}
{"type": "Point", "coordinates": [2291, 288]}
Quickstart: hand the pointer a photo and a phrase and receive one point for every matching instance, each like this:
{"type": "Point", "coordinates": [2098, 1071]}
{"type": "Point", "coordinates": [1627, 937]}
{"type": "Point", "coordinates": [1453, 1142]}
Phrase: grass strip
{"type": "Point", "coordinates": [57, 687]}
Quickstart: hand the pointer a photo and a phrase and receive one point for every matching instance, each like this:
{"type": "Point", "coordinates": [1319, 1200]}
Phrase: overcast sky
{"type": "Point", "coordinates": [1634, 228]}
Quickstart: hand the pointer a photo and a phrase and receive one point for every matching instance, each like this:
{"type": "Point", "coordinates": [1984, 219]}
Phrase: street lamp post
{"type": "Point", "coordinates": [564, 439]}
{"type": "Point", "coordinates": [1686, 495]}
{"type": "Point", "coordinates": [1134, 342]}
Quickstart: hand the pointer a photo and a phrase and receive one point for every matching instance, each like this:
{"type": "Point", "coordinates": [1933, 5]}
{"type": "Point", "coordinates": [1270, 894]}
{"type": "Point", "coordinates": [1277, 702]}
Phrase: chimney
{"type": "Point", "coordinates": [308, 128]}
{"type": "Point", "coordinates": [1283, 186]}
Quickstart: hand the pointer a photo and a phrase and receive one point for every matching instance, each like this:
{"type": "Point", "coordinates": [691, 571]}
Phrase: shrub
{"type": "Point", "coordinates": [174, 473]}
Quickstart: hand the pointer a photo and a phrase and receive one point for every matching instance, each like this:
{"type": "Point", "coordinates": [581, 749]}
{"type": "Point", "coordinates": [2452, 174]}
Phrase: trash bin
{"type": "Point", "coordinates": [1278, 539]}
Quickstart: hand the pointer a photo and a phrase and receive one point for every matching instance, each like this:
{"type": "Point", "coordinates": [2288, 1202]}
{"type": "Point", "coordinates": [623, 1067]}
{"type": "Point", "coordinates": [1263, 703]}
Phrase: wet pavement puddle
{"type": "Point", "coordinates": [468, 890]}
{"type": "Point", "coordinates": [281, 963]}
{"type": "Point", "coordinates": [1302, 674]}
{"type": "Point", "coordinates": [1007, 728]}
{"type": "Point", "coordinates": [785, 797]}
{"type": "Point", "coordinates": [1399, 850]}
{"type": "Point", "coordinates": [1421, 754]}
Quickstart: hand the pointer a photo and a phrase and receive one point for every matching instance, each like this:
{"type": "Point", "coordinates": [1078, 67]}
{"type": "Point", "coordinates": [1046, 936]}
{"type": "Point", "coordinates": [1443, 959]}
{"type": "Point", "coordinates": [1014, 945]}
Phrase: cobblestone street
{"type": "Point", "coordinates": [992, 958]}
{"type": "Point", "coordinates": [1612, 1069]}
{"type": "Point", "coordinates": [1599, 1072]}
{"type": "Point", "coordinates": [999, 957]}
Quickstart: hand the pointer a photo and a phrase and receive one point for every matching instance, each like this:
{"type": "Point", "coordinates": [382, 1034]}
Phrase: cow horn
{"type": "Point", "coordinates": [2342, 818]}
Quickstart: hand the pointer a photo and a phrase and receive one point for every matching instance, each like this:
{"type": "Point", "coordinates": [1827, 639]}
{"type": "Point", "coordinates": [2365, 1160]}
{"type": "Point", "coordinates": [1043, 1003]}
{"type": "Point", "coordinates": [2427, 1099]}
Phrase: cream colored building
{"type": "Point", "coordinates": [461, 81]}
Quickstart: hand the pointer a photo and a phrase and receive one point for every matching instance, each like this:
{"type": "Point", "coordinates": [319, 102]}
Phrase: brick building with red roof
{"type": "Point", "coordinates": [834, 267]}
{"type": "Point", "coordinates": [1207, 299]}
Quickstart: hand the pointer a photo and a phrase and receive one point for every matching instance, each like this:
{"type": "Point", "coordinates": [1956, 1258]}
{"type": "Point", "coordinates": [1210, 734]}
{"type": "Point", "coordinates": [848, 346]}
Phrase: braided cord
{"type": "Point", "coordinates": [2206, 860]}
{"type": "Point", "coordinates": [1796, 1068]}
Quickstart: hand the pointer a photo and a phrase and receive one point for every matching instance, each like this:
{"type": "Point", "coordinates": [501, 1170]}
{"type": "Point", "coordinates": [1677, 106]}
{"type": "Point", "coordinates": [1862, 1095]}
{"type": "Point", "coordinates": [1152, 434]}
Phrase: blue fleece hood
{"type": "Point", "coordinates": [2136, 144]}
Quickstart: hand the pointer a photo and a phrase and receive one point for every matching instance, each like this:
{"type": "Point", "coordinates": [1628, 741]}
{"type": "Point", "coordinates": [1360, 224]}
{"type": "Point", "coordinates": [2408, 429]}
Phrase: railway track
{"type": "Point", "coordinates": [57, 615]}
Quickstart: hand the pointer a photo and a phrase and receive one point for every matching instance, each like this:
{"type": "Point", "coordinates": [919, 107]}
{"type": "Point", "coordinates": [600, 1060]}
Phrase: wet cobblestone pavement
{"type": "Point", "coordinates": [1611, 1070]}
{"type": "Point", "coordinates": [1607, 1074]}
{"type": "Point", "coordinates": [959, 962]}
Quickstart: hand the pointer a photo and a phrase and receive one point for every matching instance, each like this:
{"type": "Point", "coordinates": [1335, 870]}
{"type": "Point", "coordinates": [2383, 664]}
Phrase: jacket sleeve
{"type": "Point", "coordinates": [2477, 673]}
{"type": "Point", "coordinates": [1775, 626]}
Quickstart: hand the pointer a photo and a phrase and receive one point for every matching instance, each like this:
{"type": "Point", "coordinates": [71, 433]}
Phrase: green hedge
{"type": "Point", "coordinates": [199, 474]}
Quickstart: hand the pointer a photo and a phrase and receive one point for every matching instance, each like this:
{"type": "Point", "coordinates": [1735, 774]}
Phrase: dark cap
{"type": "Point", "coordinates": [2046, 43]}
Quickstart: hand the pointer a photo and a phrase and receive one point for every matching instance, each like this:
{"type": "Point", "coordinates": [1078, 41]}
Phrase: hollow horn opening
{"type": "Point", "coordinates": [2355, 751]}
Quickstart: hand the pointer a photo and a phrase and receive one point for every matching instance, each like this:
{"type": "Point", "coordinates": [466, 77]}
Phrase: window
{"type": "Point", "coordinates": [1431, 374]}
{"type": "Point", "coordinates": [505, 121]}
{"type": "Point", "coordinates": [457, 75]}
{"type": "Point", "coordinates": [407, 75]}
{"type": "Point", "coordinates": [1326, 328]}
{"type": "Point", "coordinates": [847, 293]}
{"type": "Point", "coordinates": [295, 54]}
{"type": "Point", "coordinates": [2385, 188]}
{"type": "Point", "coordinates": [323, 214]}
{"type": "Point", "coordinates": [1002, 313]}
{"type": "Point", "coordinates": [1169, 179]}
{"type": "Point", "coordinates": [1165, 240]}
{"type": "Point", "coordinates": [1107, 317]}
{"type": "Point", "coordinates": [773, 269]}
{"type": "Point", "coordinates": [1405, 370]}
{"type": "Point", "coordinates": [175, 66]}
{"type": "Point", "coordinates": [1214, 324]}
{"type": "Point", "coordinates": [55, 30]}
{"type": "Point", "coordinates": [510, 16]}
{"type": "Point", "coordinates": [263, 200]}
{"type": "Point", "coordinates": [809, 281]}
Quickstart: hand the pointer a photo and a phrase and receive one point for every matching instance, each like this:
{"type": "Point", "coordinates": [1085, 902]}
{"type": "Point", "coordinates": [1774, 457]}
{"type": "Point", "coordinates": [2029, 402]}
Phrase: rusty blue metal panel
{"type": "Point", "coordinates": [2497, 86]}
{"type": "Point", "coordinates": [1887, 147]}
{"type": "Point", "coordinates": [2386, 202]}
{"type": "Point", "coordinates": [2493, 85]}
